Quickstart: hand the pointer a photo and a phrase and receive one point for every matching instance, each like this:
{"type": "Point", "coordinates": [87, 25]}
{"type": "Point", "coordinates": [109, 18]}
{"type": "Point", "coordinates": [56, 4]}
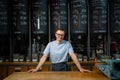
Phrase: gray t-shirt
{"type": "Point", "coordinates": [58, 52]}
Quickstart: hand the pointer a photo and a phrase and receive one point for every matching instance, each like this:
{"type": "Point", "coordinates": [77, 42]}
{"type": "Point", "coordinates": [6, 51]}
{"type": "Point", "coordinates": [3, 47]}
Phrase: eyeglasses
{"type": "Point", "coordinates": [60, 34]}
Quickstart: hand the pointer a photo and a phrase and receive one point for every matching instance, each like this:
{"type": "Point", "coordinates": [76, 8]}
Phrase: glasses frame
{"type": "Point", "coordinates": [62, 35]}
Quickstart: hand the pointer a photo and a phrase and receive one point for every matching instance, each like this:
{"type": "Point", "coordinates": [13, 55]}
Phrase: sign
{"type": "Point", "coordinates": [114, 16]}
{"type": "Point", "coordinates": [4, 28]}
{"type": "Point", "coordinates": [19, 13]}
{"type": "Point", "coordinates": [78, 14]}
{"type": "Point", "coordinates": [59, 15]}
{"type": "Point", "coordinates": [39, 17]}
{"type": "Point", "coordinates": [98, 16]}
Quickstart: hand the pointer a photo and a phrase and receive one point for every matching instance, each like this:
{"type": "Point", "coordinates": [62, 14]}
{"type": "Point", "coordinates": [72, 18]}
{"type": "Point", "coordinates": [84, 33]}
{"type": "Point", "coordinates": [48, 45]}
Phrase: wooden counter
{"type": "Point", "coordinates": [7, 68]}
{"type": "Point", "coordinates": [69, 75]}
{"type": "Point", "coordinates": [47, 63]}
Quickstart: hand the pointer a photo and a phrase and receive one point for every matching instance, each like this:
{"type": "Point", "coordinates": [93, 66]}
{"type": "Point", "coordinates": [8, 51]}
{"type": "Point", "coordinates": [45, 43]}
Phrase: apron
{"type": "Point", "coordinates": [60, 66]}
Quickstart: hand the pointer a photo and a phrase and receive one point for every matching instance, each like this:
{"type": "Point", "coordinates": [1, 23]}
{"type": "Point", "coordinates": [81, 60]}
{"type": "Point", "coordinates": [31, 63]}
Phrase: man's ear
{"type": "Point", "coordinates": [55, 35]}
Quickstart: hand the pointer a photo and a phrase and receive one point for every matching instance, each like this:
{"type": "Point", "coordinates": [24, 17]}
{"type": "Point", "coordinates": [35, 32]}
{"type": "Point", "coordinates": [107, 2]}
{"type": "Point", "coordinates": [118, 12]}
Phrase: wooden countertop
{"type": "Point", "coordinates": [68, 75]}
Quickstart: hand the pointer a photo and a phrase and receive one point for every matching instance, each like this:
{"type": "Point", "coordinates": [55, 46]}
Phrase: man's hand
{"type": "Point", "coordinates": [84, 70]}
{"type": "Point", "coordinates": [33, 70]}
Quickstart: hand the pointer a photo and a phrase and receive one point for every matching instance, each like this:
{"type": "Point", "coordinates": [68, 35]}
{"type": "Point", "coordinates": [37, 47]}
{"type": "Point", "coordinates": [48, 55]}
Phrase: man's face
{"type": "Point", "coordinates": [59, 35]}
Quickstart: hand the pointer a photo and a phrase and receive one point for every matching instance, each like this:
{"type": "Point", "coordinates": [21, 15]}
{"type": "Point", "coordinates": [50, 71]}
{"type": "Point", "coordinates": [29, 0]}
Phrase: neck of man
{"type": "Point", "coordinates": [58, 41]}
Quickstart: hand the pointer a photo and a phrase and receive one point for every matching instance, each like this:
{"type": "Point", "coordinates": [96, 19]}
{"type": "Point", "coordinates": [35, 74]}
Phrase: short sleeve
{"type": "Point", "coordinates": [70, 48]}
{"type": "Point", "coordinates": [47, 49]}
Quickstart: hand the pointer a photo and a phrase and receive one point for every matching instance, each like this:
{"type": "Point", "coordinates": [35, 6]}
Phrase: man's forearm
{"type": "Point", "coordinates": [76, 61]}
{"type": "Point", "coordinates": [41, 62]}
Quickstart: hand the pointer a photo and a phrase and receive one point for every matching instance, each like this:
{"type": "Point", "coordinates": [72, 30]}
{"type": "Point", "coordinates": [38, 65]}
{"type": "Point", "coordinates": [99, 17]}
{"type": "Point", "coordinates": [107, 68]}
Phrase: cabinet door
{"type": "Point", "coordinates": [73, 68]}
{"type": "Point", "coordinates": [3, 71]}
{"type": "Point", "coordinates": [44, 68]}
{"type": "Point", "coordinates": [12, 69]}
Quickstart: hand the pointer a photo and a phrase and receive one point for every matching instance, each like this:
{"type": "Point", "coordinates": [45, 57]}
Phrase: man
{"type": "Point", "coordinates": [59, 50]}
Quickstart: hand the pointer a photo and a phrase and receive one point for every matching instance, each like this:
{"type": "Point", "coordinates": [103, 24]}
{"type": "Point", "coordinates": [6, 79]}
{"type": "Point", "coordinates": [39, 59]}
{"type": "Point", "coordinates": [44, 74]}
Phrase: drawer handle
{"type": "Point", "coordinates": [17, 69]}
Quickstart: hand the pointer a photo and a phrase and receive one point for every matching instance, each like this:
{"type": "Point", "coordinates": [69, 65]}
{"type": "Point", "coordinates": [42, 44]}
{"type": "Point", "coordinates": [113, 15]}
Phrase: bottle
{"type": "Point", "coordinates": [34, 46]}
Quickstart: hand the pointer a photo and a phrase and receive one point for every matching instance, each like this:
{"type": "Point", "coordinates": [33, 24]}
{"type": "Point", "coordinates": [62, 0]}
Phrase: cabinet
{"type": "Point", "coordinates": [7, 68]}
{"type": "Point", "coordinates": [3, 71]}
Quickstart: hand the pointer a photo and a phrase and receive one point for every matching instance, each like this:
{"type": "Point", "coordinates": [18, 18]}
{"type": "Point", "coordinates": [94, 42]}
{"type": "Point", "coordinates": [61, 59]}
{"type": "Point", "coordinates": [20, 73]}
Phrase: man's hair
{"type": "Point", "coordinates": [59, 29]}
